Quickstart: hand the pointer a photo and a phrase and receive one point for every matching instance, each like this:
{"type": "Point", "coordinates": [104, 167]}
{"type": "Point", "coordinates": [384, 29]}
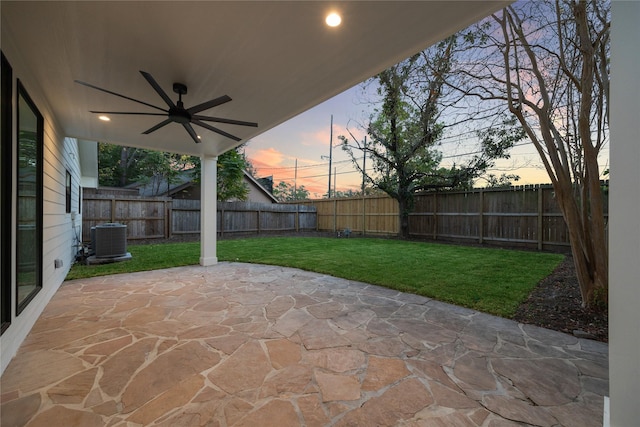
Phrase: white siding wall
{"type": "Point", "coordinates": [59, 230]}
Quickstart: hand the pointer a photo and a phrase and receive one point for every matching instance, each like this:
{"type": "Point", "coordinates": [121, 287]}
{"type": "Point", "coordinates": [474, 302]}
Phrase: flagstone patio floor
{"type": "Point", "coordinates": [252, 345]}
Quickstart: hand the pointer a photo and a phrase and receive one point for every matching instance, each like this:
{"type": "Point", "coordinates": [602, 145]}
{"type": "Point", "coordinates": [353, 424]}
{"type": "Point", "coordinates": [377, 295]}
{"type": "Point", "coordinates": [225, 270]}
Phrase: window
{"type": "Point", "coordinates": [6, 92]}
{"type": "Point", "coordinates": [29, 200]}
{"type": "Point", "coordinates": [67, 193]}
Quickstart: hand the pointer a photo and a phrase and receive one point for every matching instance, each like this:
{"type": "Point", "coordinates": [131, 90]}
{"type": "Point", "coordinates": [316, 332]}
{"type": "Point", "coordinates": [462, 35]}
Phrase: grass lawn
{"type": "Point", "coordinates": [495, 281]}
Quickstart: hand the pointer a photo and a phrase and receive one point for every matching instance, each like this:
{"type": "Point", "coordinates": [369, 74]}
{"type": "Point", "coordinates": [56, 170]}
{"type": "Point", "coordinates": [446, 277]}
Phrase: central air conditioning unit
{"type": "Point", "coordinates": [109, 240]}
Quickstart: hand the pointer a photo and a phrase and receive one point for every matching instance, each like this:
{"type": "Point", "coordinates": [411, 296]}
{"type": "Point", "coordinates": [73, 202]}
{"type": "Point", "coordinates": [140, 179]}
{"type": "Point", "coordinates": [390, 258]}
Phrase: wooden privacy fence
{"type": "Point", "coordinates": [244, 217]}
{"type": "Point", "coordinates": [372, 215]}
{"type": "Point", "coordinates": [526, 216]}
{"type": "Point", "coordinates": [146, 218]}
{"type": "Point", "coordinates": [163, 217]}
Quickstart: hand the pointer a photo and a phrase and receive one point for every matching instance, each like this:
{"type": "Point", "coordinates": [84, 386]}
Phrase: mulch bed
{"type": "Point", "coordinates": [556, 304]}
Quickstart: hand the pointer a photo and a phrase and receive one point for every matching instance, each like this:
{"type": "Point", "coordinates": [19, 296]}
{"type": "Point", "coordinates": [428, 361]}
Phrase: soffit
{"type": "Point", "coordinates": [274, 59]}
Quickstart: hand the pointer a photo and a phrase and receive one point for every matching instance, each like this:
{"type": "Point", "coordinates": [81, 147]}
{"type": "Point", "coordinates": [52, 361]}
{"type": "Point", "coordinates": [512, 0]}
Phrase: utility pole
{"type": "Point", "coordinates": [295, 182]}
{"type": "Point", "coordinates": [364, 164]}
{"type": "Point", "coordinates": [330, 156]}
{"type": "Point", "coordinates": [364, 174]}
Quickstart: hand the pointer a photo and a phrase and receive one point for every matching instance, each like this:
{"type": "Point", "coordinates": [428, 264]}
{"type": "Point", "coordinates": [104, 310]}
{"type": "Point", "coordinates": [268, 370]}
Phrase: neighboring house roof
{"type": "Point", "coordinates": [159, 187]}
{"type": "Point", "coordinates": [255, 184]}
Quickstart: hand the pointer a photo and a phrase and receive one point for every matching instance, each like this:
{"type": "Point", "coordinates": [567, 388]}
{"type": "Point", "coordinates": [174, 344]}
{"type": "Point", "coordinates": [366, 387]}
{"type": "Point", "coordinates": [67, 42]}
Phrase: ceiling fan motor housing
{"type": "Point", "coordinates": [179, 114]}
{"type": "Point", "coordinates": [180, 89]}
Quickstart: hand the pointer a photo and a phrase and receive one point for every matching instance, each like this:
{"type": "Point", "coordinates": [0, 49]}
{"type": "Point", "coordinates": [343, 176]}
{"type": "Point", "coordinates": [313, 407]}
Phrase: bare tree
{"type": "Point", "coordinates": [547, 62]}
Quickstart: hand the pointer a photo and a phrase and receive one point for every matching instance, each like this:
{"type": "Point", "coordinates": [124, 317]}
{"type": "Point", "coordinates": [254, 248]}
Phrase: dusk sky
{"type": "Point", "coordinates": [306, 138]}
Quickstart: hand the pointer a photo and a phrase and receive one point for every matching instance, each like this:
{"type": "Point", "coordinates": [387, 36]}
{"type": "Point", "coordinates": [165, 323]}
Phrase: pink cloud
{"type": "Point", "coordinates": [269, 156]}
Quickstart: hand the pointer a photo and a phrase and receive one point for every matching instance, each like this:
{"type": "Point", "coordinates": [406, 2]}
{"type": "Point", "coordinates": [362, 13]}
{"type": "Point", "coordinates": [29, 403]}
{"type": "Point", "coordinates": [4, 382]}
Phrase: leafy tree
{"type": "Point", "coordinates": [250, 168]}
{"type": "Point", "coordinates": [405, 130]}
{"type": "Point", "coordinates": [547, 64]}
{"type": "Point", "coordinates": [119, 166]}
{"type": "Point", "coordinates": [286, 193]}
{"type": "Point", "coordinates": [347, 193]}
{"type": "Point", "coordinates": [495, 143]}
{"type": "Point", "coordinates": [116, 165]}
{"type": "Point", "coordinates": [500, 181]}
{"type": "Point", "coordinates": [231, 184]}
{"type": "Point", "coordinates": [161, 169]}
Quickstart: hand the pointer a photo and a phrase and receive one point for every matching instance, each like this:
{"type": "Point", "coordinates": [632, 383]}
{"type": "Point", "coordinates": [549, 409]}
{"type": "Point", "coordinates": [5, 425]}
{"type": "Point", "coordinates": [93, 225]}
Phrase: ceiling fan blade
{"type": "Point", "coordinates": [209, 104]}
{"type": "Point", "coordinates": [221, 120]}
{"type": "Point", "coordinates": [216, 130]}
{"type": "Point", "coordinates": [191, 132]}
{"type": "Point", "coordinates": [127, 112]}
{"type": "Point", "coordinates": [158, 89]}
{"type": "Point", "coordinates": [158, 126]}
{"type": "Point", "coordinates": [117, 94]}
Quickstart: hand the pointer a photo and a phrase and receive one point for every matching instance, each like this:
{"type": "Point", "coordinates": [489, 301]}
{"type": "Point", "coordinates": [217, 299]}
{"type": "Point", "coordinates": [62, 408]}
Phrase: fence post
{"type": "Point", "coordinates": [435, 216]}
{"type": "Point", "coordinates": [221, 223]}
{"type": "Point", "coordinates": [258, 215]}
{"type": "Point", "coordinates": [113, 209]}
{"type": "Point", "coordinates": [335, 215]}
{"type": "Point", "coordinates": [167, 219]}
{"type": "Point", "coordinates": [297, 219]}
{"type": "Point", "coordinates": [480, 217]}
{"type": "Point", "coordinates": [364, 215]}
{"type": "Point", "coordinates": [317, 225]}
{"type": "Point", "coordinates": [540, 217]}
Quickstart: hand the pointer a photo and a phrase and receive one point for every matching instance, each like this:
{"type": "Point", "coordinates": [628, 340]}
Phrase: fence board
{"type": "Point", "coordinates": [518, 216]}
{"type": "Point", "coordinates": [160, 217]}
{"type": "Point", "coordinates": [523, 216]}
{"type": "Point", "coordinates": [145, 217]}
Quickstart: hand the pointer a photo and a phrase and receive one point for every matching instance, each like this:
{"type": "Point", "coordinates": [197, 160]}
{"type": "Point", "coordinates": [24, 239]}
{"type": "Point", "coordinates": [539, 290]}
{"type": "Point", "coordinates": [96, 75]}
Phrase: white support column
{"type": "Point", "coordinates": [208, 210]}
{"type": "Point", "coordinates": [624, 222]}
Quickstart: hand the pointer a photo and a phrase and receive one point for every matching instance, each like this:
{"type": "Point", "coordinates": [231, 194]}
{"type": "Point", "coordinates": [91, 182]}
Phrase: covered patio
{"type": "Point", "coordinates": [149, 347]}
{"type": "Point", "coordinates": [245, 345]}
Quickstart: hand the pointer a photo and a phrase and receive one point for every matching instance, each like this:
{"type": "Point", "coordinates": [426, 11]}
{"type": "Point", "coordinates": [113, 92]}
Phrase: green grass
{"type": "Point", "coordinates": [495, 281]}
{"type": "Point", "coordinates": [143, 258]}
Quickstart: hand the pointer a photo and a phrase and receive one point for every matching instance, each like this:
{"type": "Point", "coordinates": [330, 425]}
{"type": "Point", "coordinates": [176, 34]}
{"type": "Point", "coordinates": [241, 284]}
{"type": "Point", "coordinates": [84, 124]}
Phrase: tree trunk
{"type": "Point", "coordinates": [124, 165]}
{"type": "Point", "coordinates": [582, 210]}
{"type": "Point", "coordinates": [595, 289]}
{"type": "Point", "coordinates": [588, 245]}
{"type": "Point", "coordinates": [403, 217]}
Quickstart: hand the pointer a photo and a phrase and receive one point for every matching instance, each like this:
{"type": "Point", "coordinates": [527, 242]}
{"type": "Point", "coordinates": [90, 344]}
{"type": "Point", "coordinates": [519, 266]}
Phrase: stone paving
{"type": "Point", "coordinates": [251, 345]}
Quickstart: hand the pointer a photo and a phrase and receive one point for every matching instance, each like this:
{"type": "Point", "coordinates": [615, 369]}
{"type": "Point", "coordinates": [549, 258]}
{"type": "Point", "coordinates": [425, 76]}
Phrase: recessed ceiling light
{"type": "Point", "coordinates": [104, 118]}
{"type": "Point", "coordinates": [333, 19]}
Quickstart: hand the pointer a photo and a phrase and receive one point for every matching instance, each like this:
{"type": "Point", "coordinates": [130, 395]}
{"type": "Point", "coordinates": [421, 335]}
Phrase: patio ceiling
{"type": "Point", "coordinates": [274, 59]}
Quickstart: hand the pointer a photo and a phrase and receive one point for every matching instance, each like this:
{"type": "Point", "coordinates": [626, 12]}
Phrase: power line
{"type": "Point", "coordinates": [317, 165]}
{"type": "Point", "coordinates": [446, 139]}
{"type": "Point", "coordinates": [321, 175]}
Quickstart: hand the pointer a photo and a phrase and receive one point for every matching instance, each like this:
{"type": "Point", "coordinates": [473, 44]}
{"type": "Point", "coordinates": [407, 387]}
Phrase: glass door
{"type": "Point", "coordinates": [29, 200]}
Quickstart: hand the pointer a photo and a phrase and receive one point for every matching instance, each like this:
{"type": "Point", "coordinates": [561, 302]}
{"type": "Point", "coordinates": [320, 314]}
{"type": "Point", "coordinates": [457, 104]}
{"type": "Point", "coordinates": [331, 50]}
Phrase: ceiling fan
{"type": "Point", "coordinates": [176, 113]}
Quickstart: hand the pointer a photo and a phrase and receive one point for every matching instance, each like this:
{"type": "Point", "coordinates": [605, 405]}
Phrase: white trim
{"type": "Point", "coordinates": [624, 227]}
{"type": "Point", "coordinates": [208, 210]}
